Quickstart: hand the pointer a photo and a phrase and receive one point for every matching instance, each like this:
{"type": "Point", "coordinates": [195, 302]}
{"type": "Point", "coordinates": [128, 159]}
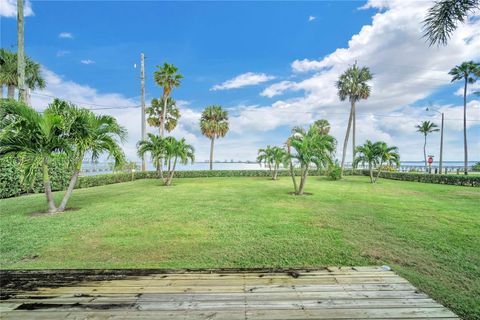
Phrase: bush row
{"type": "Point", "coordinates": [456, 180]}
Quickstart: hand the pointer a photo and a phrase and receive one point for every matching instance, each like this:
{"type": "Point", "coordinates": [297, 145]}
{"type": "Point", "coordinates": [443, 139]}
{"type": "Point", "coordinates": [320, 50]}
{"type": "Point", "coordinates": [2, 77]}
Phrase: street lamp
{"type": "Point", "coordinates": [440, 167]}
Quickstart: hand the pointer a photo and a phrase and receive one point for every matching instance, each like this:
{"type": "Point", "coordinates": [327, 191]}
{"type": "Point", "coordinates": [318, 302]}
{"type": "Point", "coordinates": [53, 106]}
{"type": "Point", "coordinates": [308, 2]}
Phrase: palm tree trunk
{"type": "Point", "coordinates": [303, 180]}
{"type": "Point", "coordinates": [425, 153]}
{"type": "Point", "coordinates": [164, 112]}
{"type": "Point", "coordinates": [68, 193]}
{"type": "Point", "coordinates": [370, 169]}
{"type": "Point", "coordinates": [292, 172]}
{"type": "Point", "coordinates": [379, 170]}
{"type": "Point", "coordinates": [211, 152]}
{"type": "Point", "coordinates": [11, 92]}
{"type": "Point", "coordinates": [345, 142]}
{"type": "Point", "coordinates": [465, 128]}
{"type": "Point", "coordinates": [171, 172]}
{"type": "Point", "coordinates": [48, 188]}
{"type": "Point", "coordinates": [275, 172]}
{"type": "Point", "coordinates": [353, 135]}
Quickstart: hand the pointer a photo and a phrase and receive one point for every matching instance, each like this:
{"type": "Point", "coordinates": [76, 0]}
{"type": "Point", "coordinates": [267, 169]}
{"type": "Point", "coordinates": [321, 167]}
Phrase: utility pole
{"type": "Point", "coordinates": [22, 94]}
{"type": "Point", "coordinates": [142, 81]}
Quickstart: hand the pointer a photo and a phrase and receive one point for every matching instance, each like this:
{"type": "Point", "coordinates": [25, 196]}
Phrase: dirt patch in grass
{"type": "Point", "coordinates": [48, 214]}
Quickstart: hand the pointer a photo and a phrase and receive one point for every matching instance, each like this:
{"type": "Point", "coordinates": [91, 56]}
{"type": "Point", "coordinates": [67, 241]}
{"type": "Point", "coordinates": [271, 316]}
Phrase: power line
{"type": "Point", "coordinates": [86, 103]}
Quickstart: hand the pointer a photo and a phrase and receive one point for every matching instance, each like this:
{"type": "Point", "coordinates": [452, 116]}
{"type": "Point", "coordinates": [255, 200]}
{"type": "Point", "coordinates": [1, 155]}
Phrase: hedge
{"type": "Point", "coordinates": [12, 171]}
{"type": "Point", "coordinates": [451, 179]}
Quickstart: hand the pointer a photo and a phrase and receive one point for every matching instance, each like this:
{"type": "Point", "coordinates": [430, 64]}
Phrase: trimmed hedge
{"type": "Point", "coordinates": [12, 171]}
{"type": "Point", "coordinates": [456, 180]}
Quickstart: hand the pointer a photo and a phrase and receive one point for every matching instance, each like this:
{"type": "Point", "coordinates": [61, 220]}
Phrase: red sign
{"type": "Point", "coordinates": [430, 160]}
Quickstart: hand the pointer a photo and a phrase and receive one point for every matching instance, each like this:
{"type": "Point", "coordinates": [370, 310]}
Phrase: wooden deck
{"type": "Point", "coordinates": [332, 293]}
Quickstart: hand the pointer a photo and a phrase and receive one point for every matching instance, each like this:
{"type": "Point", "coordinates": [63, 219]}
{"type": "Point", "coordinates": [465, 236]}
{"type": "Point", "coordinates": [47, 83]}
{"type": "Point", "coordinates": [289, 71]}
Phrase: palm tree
{"type": "Point", "coordinates": [376, 155]}
{"type": "Point", "coordinates": [176, 150]}
{"type": "Point", "coordinates": [214, 124]}
{"type": "Point", "coordinates": [155, 114]}
{"type": "Point", "coordinates": [153, 145]}
{"type": "Point", "coordinates": [166, 77]}
{"type": "Point", "coordinates": [9, 73]}
{"type": "Point", "coordinates": [35, 136]}
{"type": "Point", "coordinates": [352, 84]}
{"type": "Point", "coordinates": [310, 147]}
{"type": "Point", "coordinates": [468, 72]}
{"type": "Point", "coordinates": [426, 127]}
{"type": "Point", "coordinates": [367, 154]}
{"type": "Point", "coordinates": [323, 126]}
{"type": "Point", "coordinates": [443, 17]}
{"type": "Point", "coordinates": [88, 133]}
{"type": "Point", "coordinates": [388, 155]}
{"type": "Point", "coordinates": [272, 157]}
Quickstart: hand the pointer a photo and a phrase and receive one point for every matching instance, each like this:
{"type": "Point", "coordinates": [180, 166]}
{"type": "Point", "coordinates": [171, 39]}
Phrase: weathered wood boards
{"type": "Point", "coordinates": [333, 293]}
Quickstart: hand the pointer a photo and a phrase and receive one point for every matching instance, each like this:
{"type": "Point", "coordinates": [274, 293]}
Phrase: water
{"type": "Point", "coordinates": [101, 168]}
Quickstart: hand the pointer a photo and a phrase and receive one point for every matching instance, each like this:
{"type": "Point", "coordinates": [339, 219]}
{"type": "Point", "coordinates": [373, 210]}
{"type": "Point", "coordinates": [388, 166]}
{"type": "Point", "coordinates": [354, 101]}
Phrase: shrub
{"type": "Point", "coordinates": [334, 172]}
{"type": "Point", "coordinates": [456, 180]}
{"type": "Point", "coordinates": [12, 171]}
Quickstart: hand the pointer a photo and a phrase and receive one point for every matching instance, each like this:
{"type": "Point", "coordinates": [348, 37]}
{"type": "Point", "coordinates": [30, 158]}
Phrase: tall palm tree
{"type": "Point", "coordinates": [9, 73]}
{"type": "Point", "coordinates": [88, 133]}
{"type": "Point", "coordinates": [35, 136]}
{"type": "Point", "coordinates": [155, 114]}
{"type": "Point", "coordinates": [272, 157]}
{"type": "Point", "coordinates": [168, 78]}
{"type": "Point", "coordinates": [153, 145]}
{"type": "Point", "coordinates": [352, 84]}
{"type": "Point", "coordinates": [443, 17]}
{"type": "Point", "coordinates": [311, 148]}
{"type": "Point", "coordinates": [323, 126]}
{"type": "Point", "coordinates": [468, 72]}
{"type": "Point", "coordinates": [214, 124]}
{"type": "Point", "coordinates": [426, 127]}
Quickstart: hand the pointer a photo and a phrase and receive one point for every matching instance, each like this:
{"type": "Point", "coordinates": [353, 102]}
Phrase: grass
{"type": "Point", "coordinates": [428, 233]}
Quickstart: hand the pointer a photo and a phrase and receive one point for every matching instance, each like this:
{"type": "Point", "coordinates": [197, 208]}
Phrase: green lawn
{"type": "Point", "coordinates": [428, 233]}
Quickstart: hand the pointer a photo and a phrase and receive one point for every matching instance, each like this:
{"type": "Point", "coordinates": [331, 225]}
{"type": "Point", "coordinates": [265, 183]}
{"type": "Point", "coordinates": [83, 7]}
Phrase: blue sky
{"type": "Point", "coordinates": [89, 48]}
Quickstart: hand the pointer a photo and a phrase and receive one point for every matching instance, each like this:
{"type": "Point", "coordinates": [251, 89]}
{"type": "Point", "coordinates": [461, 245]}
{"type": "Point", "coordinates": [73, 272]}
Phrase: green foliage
{"type": "Point", "coordinates": [12, 176]}
{"type": "Point", "coordinates": [352, 84]}
{"type": "Point", "coordinates": [214, 122]}
{"type": "Point", "coordinates": [154, 113]}
{"type": "Point", "coordinates": [334, 172]}
{"type": "Point", "coordinates": [476, 167]}
{"type": "Point", "coordinates": [452, 179]}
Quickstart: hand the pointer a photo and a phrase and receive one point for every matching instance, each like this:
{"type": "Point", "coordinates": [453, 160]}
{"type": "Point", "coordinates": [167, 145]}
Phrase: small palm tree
{"type": "Point", "coordinates": [88, 133]}
{"type": "Point", "coordinates": [375, 155]}
{"type": "Point", "coordinates": [426, 127]}
{"type": "Point", "coordinates": [168, 78]}
{"type": "Point", "coordinates": [468, 72]}
{"type": "Point", "coordinates": [153, 145]}
{"type": "Point", "coordinates": [367, 154]}
{"type": "Point", "coordinates": [352, 84]}
{"type": "Point", "coordinates": [214, 124]}
{"type": "Point", "coordinates": [272, 157]}
{"type": "Point", "coordinates": [388, 155]}
{"type": "Point", "coordinates": [176, 150]}
{"type": "Point", "coordinates": [311, 148]}
{"type": "Point", "coordinates": [155, 114]}
{"type": "Point", "coordinates": [443, 17]}
{"type": "Point", "coordinates": [35, 136]}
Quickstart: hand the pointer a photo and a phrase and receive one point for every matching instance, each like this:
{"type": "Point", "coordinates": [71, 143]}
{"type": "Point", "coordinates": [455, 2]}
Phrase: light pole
{"type": "Point", "coordinates": [440, 166]}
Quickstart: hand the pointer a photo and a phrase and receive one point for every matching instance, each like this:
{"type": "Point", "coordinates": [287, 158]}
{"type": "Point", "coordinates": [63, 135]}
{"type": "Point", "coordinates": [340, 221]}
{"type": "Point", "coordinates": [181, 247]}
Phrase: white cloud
{"type": "Point", "coordinates": [8, 8]}
{"type": "Point", "coordinates": [87, 61]}
{"type": "Point", "coordinates": [65, 35]}
{"type": "Point", "coordinates": [306, 65]}
{"type": "Point", "coordinates": [311, 18]}
{"type": "Point", "coordinates": [243, 80]}
{"type": "Point", "coordinates": [277, 88]}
